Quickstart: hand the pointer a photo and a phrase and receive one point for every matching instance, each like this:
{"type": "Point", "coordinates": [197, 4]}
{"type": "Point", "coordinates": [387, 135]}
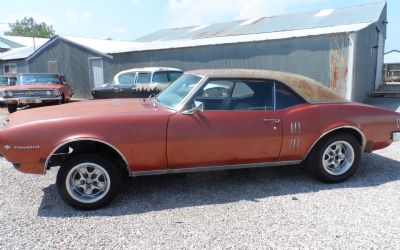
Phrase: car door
{"type": "Point", "coordinates": [239, 125]}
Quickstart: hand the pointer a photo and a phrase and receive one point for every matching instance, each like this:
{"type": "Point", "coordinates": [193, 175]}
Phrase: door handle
{"type": "Point", "coordinates": [272, 120]}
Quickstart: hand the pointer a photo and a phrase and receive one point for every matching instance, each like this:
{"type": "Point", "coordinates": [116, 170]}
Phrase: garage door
{"type": "Point", "coordinates": [96, 72]}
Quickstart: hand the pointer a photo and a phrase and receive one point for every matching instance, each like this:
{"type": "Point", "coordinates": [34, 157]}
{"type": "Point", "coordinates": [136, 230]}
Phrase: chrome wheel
{"type": "Point", "coordinates": [87, 182]}
{"type": "Point", "coordinates": [338, 158]}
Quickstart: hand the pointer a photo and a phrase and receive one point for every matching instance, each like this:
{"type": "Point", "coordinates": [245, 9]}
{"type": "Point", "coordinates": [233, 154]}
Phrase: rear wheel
{"type": "Point", "coordinates": [88, 181]}
{"type": "Point", "coordinates": [11, 108]}
{"type": "Point", "coordinates": [335, 158]}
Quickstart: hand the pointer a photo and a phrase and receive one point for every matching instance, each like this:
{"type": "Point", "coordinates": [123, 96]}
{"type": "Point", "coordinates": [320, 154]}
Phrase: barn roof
{"type": "Point", "coordinates": [367, 13]}
{"type": "Point", "coordinates": [96, 45]}
{"type": "Point", "coordinates": [21, 41]}
{"type": "Point", "coordinates": [327, 21]}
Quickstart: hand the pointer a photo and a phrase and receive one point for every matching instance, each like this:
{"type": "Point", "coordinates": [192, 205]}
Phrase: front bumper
{"type": "Point", "coordinates": [396, 136]}
{"type": "Point", "coordinates": [30, 100]}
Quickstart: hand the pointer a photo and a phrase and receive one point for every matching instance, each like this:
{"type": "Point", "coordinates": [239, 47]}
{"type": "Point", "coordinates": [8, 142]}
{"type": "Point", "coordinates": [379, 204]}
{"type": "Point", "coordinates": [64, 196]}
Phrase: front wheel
{"type": "Point", "coordinates": [335, 158]}
{"type": "Point", "coordinates": [12, 108]}
{"type": "Point", "coordinates": [88, 181]}
{"type": "Point", "coordinates": [62, 101]}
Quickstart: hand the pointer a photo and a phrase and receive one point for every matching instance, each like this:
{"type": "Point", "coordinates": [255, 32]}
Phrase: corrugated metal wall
{"type": "Point", "coordinates": [72, 61]}
{"type": "Point", "coordinates": [365, 63]}
{"type": "Point", "coordinates": [366, 58]}
{"type": "Point", "coordinates": [308, 56]}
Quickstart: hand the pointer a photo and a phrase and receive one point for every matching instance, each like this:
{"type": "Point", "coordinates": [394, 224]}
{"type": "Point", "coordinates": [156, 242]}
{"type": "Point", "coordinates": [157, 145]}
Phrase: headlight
{"type": "Point", "coordinates": [55, 92]}
{"type": "Point", "coordinates": [48, 92]}
{"type": "Point", "coordinates": [9, 93]}
{"type": "Point", "coordinates": [2, 94]}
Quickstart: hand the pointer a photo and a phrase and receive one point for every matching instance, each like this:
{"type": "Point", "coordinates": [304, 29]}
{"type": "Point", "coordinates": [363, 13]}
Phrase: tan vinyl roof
{"type": "Point", "coordinates": [311, 90]}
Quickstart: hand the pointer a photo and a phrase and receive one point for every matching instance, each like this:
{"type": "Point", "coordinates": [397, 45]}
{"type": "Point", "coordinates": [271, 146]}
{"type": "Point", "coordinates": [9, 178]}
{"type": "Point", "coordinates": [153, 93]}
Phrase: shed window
{"type": "Point", "coordinates": [10, 69]}
{"type": "Point", "coordinates": [52, 66]}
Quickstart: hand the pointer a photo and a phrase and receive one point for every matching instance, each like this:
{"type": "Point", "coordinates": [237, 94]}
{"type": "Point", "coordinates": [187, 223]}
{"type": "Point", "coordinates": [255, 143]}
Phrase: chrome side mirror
{"type": "Point", "coordinates": [198, 107]}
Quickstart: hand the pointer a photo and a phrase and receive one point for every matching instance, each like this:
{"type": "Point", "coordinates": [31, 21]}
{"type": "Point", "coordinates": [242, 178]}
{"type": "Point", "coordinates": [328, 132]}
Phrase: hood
{"type": "Point", "coordinates": [35, 86]}
{"type": "Point", "coordinates": [85, 109]}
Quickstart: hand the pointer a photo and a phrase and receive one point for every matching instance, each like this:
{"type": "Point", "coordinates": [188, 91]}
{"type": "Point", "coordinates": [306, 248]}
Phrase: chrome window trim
{"type": "Point", "coordinates": [85, 139]}
{"type": "Point", "coordinates": [363, 143]}
{"type": "Point", "coordinates": [189, 96]}
{"type": "Point", "coordinates": [214, 168]}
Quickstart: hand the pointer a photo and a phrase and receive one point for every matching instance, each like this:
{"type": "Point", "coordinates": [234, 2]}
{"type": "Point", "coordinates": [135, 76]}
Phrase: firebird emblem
{"type": "Point", "coordinates": [7, 147]}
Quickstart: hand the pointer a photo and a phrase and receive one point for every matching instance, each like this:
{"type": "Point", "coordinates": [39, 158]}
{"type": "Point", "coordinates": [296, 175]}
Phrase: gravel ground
{"type": "Point", "coordinates": [279, 207]}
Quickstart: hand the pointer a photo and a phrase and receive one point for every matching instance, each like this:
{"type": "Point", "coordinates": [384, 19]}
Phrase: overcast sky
{"type": "Point", "coordinates": [130, 19]}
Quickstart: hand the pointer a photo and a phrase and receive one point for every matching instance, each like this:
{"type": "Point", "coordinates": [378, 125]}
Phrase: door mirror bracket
{"type": "Point", "coordinates": [198, 107]}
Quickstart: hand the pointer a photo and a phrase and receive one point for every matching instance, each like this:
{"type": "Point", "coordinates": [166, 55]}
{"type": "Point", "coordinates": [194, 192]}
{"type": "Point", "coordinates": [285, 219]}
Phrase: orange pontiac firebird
{"type": "Point", "coordinates": [206, 120]}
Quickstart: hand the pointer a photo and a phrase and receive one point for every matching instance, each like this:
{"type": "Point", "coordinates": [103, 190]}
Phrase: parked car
{"type": "Point", "coordinates": [7, 81]}
{"type": "Point", "coordinates": [137, 83]}
{"type": "Point", "coordinates": [206, 120]}
{"type": "Point", "coordinates": [36, 89]}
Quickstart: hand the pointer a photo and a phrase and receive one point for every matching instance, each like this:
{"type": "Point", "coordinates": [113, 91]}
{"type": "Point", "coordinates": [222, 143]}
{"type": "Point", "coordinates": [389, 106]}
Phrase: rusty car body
{"type": "Point", "coordinates": [206, 120]}
{"type": "Point", "coordinates": [137, 83]}
{"type": "Point", "coordinates": [36, 89]}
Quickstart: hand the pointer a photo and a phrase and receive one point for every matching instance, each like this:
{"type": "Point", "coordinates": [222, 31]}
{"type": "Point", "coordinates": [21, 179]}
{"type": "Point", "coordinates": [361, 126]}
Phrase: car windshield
{"type": "Point", "coordinates": [38, 79]}
{"type": "Point", "coordinates": [3, 81]}
{"type": "Point", "coordinates": [178, 90]}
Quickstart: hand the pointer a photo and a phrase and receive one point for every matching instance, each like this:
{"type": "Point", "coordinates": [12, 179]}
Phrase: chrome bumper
{"type": "Point", "coordinates": [30, 100]}
{"type": "Point", "coordinates": [396, 136]}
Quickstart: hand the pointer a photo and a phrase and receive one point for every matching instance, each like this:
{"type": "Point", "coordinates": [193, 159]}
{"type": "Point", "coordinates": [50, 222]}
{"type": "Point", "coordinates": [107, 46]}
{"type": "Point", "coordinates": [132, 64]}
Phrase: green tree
{"type": "Point", "coordinates": [29, 27]}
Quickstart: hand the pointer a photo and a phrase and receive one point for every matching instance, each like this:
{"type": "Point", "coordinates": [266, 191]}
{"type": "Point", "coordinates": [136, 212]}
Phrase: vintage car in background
{"type": "Point", "coordinates": [7, 81]}
{"type": "Point", "coordinates": [36, 89]}
{"type": "Point", "coordinates": [206, 120]}
{"type": "Point", "coordinates": [137, 83]}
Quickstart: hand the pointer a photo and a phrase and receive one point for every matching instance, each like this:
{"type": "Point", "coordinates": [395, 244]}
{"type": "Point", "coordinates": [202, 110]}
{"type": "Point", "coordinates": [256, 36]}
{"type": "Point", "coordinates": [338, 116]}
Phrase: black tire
{"type": "Point", "coordinates": [62, 101]}
{"type": "Point", "coordinates": [11, 108]}
{"type": "Point", "coordinates": [74, 196]}
{"type": "Point", "coordinates": [346, 167]}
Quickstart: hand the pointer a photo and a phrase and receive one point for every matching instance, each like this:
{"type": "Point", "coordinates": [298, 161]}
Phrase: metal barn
{"type": "Point", "coordinates": [341, 48]}
{"type": "Point", "coordinates": [79, 59]}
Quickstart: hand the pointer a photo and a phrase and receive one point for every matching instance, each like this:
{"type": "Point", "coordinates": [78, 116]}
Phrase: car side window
{"type": "Point", "coordinates": [242, 90]}
{"type": "Point", "coordinates": [285, 97]}
{"type": "Point", "coordinates": [127, 79]}
{"type": "Point", "coordinates": [237, 95]}
{"type": "Point", "coordinates": [253, 95]}
{"type": "Point", "coordinates": [174, 75]}
{"type": "Point", "coordinates": [143, 78]}
{"type": "Point", "coordinates": [215, 95]}
{"type": "Point", "coordinates": [160, 77]}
